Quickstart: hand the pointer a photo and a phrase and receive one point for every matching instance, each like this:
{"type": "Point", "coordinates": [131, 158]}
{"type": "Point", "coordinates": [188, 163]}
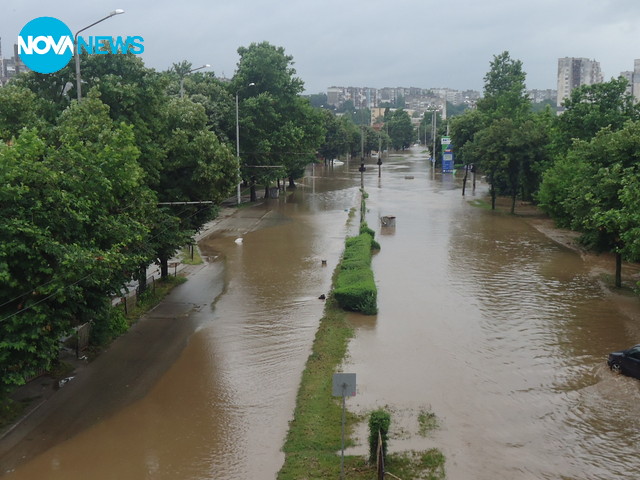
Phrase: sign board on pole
{"type": "Point", "coordinates": [447, 155]}
{"type": "Point", "coordinates": [344, 384]}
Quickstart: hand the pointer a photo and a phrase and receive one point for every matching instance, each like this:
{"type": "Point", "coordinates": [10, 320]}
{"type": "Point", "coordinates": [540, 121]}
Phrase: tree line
{"type": "Point", "coordinates": [93, 192]}
{"type": "Point", "coordinates": [581, 166]}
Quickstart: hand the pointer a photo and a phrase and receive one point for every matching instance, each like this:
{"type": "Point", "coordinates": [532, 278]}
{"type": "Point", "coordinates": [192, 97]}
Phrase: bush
{"type": "Point", "coordinates": [104, 330]}
{"type": "Point", "coordinates": [355, 288]}
{"type": "Point", "coordinates": [364, 228]}
{"type": "Point", "coordinates": [378, 421]}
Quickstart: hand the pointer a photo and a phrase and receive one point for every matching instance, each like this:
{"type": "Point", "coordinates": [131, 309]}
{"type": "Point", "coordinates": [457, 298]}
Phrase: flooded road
{"type": "Point", "coordinates": [483, 320]}
{"type": "Point", "coordinates": [221, 410]}
{"type": "Point", "coordinates": [499, 331]}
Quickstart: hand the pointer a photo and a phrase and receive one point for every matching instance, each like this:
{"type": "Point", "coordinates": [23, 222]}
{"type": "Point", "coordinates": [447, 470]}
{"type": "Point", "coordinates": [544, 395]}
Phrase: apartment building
{"type": "Point", "coordinates": [574, 72]}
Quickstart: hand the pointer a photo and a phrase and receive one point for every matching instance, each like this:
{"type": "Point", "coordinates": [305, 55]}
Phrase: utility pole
{"type": "Point", "coordinates": [434, 131]}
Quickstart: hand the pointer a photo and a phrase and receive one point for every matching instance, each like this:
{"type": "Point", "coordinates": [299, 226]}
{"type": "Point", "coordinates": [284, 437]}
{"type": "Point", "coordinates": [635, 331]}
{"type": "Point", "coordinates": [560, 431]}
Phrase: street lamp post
{"type": "Point", "coordinates": [239, 199]}
{"type": "Point", "coordinates": [77, 53]}
{"type": "Point", "coordinates": [187, 73]}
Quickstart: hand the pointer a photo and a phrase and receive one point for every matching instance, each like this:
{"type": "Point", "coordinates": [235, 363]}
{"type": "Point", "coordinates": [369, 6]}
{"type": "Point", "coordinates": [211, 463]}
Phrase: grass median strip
{"type": "Point", "coordinates": [315, 431]}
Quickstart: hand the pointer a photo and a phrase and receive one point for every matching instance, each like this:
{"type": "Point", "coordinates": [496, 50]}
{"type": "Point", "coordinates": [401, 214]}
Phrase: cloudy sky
{"type": "Point", "coordinates": [375, 43]}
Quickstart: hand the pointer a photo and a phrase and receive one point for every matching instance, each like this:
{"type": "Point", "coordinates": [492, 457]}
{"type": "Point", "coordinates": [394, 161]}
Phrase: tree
{"type": "Point", "coordinates": [591, 108]}
{"type": "Point", "coordinates": [20, 108]}
{"type": "Point", "coordinates": [400, 130]}
{"type": "Point", "coordinates": [504, 89]}
{"type": "Point", "coordinates": [335, 138]}
{"type": "Point", "coordinates": [463, 129]}
{"type": "Point", "coordinates": [74, 215]}
{"type": "Point", "coordinates": [135, 94]}
{"type": "Point", "coordinates": [591, 190]}
{"type": "Point", "coordinates": [197, 167]}
{"type": "Point", "coordinates": [280, 131]}
{"type": "Point", "coordinates": [502, 137]}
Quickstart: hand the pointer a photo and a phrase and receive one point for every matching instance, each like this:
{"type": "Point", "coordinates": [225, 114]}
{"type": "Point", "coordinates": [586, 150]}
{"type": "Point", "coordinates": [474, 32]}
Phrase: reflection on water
{"type": "Point", "coordinates": [499, 331]}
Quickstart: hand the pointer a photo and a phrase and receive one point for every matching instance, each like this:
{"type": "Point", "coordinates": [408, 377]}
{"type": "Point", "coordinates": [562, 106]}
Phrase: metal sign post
{"type": "Point", "coordinates": [344, 384]}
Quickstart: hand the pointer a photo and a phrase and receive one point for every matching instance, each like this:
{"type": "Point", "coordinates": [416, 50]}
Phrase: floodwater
{"type": "Point", "coordinates": [483, 320]}
{"type": "Point", "coordinates": [498, 331]}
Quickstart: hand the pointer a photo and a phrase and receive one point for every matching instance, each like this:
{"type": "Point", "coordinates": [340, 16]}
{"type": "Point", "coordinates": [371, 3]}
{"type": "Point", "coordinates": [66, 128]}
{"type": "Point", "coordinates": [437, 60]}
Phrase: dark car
{"type": "Point", "coordinates": [626, 362]}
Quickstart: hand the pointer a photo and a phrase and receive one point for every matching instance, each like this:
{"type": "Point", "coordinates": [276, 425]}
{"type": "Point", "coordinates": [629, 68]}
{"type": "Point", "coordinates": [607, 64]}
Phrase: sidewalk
{"type": "Point", "coordinates": [39, 391]}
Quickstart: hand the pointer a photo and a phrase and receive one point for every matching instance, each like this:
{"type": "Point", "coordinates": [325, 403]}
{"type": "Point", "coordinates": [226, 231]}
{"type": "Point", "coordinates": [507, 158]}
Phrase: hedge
{"type": "Point", "coordinates": [355, 288]}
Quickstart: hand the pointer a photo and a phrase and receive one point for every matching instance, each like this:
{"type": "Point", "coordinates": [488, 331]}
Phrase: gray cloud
{"type": "Point", "coordinates": [421, 43]}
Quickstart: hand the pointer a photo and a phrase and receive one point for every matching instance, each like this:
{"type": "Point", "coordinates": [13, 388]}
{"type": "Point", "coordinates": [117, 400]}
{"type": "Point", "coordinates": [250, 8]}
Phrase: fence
{"type": "Point", "coordinates": [129, 302]}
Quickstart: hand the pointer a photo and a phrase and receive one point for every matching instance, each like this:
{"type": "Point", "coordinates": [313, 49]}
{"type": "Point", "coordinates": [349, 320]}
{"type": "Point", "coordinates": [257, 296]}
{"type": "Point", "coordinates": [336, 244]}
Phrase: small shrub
{"type": "Point", "coordinates": [378, 421]}
{"type": "Point", "coordinates": [433, 459]}
{"type": "Point", "coordinates": [104, 330]}
{"type": "Point", "coordinates": [427, 421]}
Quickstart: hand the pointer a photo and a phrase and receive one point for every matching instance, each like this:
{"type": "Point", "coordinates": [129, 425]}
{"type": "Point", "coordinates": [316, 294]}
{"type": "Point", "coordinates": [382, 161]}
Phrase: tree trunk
{"type": "Point", "coordinates": [513, 204]}
{"type": "Point", "coordinates": [266, 191]}
{"type": "Point", "coordinates": [464, 180]}
{"type": "Point", "coordinates": [252, 190]}
{"type": "Point", "coordinates": [164, 267]}
{"type": "Point", "coordinates": [618, 269]}
{"type": "Point", "coordinates": [142, 279]}
{"type": "Point", "coordinates": [292, 182]}
{"type": "Point", "coordinates": [493, 197]}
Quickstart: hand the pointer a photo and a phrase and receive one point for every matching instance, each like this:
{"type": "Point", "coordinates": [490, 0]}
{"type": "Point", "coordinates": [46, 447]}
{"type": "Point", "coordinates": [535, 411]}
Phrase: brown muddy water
{"type": "Point", "coordinates": [499, 331]}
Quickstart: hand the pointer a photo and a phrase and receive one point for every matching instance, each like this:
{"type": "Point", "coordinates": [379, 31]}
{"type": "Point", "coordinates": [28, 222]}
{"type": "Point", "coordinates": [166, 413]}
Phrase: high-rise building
{"type": "Point", "coordinates": [574, 72]}
{"type": "Point", "coordinates": [636, 80]}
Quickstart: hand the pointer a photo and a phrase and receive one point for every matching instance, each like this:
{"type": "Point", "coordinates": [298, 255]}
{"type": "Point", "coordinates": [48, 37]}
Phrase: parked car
{"type": "Point", "coordinates": [626, 362]}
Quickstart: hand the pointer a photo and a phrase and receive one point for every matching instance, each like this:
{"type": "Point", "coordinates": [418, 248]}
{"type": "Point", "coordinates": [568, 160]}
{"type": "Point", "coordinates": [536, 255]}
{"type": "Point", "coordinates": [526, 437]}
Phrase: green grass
{"type": "Point", "coordinates": [480, 203]}
{"type": "Point", "coordinates": [315, 432]}
{"type": "Point", "coordinates": [185, 256]}
{"type": "Point", "coordinates": [153, 296]}
{"type": "Point", "coordinates": [427, 422]}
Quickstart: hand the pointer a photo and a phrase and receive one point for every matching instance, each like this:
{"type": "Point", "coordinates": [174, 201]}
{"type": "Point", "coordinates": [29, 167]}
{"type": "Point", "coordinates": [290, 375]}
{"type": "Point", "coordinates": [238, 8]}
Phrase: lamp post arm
{"type": "Point", "coordinates": [77, 53]}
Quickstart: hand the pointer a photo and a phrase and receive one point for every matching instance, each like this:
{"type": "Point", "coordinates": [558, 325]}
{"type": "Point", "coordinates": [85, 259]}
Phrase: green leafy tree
{"type": "Point", "coordinates": [591, 108]}
{"type": "Point", "coordinates": [20, 108]}
{"type": "Point", "coordinates": [198, 167]}
{"type": "Point", "coordinates": [463, 129]}
{"type": "Point", "coordinates": [335, 138]}
{"type": "Point", "coordinates": [280, 132]}
{"type": "Point", "coordinates": [74, 215]}
{"type": "Point", "coordinates": [504, 93]}
{"type": "Point", "coordinates": [503, 138]}
{"type": "Point", "coordinates": [401, 130]}
{"type": "Point", "coordinates": [590, 190]}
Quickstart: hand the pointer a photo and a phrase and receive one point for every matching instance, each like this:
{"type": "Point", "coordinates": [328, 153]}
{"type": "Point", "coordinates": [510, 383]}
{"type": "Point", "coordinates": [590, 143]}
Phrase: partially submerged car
{"type": "Point", "coordinates": [626, 361]}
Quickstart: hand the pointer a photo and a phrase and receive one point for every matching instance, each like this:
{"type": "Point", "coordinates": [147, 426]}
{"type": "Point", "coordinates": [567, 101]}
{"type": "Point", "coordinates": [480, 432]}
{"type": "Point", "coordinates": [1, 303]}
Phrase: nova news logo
{"type": "Point", "coordinates": [45, 45]}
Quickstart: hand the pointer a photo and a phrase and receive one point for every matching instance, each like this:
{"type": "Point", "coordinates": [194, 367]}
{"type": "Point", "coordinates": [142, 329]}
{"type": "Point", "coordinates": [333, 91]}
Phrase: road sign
{"type": "Point", "coordinates": [447, 155]}
{"type": "Point", "coordinates": [344, 385]}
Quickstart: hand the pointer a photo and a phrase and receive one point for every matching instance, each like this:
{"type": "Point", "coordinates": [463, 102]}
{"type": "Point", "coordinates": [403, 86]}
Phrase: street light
{"type": "Point", "coordinates": [239, 200]}
{"type": "Point", "coordinates": [187, 73]}
{"type": "Point", "coordinates": [77, 53]}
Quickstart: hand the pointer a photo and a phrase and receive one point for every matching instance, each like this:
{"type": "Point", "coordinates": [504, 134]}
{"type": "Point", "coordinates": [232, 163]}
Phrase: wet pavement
{"type": "Point", "coordinates": [483, 320]}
